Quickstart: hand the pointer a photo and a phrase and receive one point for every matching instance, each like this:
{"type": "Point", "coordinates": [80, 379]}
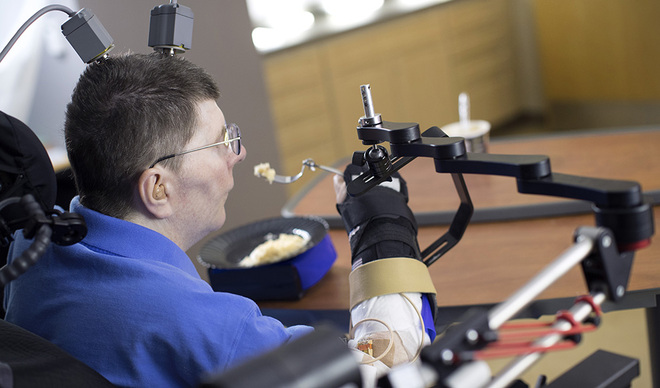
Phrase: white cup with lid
{"type": "Point", "coordinates": [475, 132]}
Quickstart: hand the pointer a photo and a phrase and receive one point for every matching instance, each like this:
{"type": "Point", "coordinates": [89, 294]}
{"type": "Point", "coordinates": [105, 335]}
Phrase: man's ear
{"type": "Point", "coordinates": [153, 188]}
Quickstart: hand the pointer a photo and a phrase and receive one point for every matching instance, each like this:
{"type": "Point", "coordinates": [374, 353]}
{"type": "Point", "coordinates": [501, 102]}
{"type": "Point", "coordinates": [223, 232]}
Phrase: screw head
{"type": "Point", "coordinates": [472, 336]}
{"type": "Point", "coordinates": [620, 291]}
{"type": "Point", "coordinates": [447, 357]}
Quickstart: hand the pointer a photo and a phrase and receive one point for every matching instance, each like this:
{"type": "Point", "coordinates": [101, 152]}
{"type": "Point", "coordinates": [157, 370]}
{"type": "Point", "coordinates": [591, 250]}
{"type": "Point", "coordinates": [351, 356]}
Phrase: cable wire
{"type": "Point", "coordinates": [390, 344]}
{"type": "Point", "coordinates": [391, 332]}
{"type": "Point", "coordinates": [32, 19]}
{"type": "Point", "coordinates": [37, 248]}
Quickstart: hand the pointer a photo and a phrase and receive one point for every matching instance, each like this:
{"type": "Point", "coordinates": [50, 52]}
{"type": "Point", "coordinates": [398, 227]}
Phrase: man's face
{"type": "Point", "coordinates": [206, 177]}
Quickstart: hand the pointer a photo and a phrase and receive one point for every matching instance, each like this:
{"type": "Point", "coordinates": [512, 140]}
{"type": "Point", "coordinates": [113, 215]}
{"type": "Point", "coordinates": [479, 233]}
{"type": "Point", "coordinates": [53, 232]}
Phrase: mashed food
{"type": "Point", "coordinates": [265, 171]}
{"type": "Point", "coordinates": [274, 250]}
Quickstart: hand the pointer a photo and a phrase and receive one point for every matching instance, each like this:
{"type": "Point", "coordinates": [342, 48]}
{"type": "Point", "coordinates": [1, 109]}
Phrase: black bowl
{"type": "Point", "coordinates": [286, 279]}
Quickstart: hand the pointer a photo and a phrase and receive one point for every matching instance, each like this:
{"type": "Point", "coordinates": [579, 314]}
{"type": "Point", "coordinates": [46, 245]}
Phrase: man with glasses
{"type": "Point", "coordinates": [152, 156]}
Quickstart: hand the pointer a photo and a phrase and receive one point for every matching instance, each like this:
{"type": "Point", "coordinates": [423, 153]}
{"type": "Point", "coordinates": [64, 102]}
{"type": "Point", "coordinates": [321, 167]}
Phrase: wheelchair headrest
{"type": "Point", "coordinates": [25, 166]}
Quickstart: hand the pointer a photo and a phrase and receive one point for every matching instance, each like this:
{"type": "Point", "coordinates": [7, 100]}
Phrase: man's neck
{"type": "Point", "coordinates": [165, 227]}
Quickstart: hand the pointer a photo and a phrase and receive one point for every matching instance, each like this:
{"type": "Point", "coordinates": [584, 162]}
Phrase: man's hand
{"type": "Point", "coordinates": [340, 188]}
{"type": "Point", "coordinates": [379, 223]}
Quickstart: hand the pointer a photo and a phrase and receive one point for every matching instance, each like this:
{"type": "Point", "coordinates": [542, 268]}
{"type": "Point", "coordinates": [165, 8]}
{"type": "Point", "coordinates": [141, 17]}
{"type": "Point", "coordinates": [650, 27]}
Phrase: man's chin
{"type": "Point", "coordinates": [221, 220]}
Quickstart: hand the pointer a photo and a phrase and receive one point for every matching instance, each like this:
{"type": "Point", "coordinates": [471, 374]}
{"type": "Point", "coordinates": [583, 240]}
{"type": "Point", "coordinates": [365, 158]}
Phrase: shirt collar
{"type": "Point", "coordinates": [127, 239]}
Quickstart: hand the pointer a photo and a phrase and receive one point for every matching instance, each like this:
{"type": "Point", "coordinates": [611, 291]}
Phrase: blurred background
{"type": "Point", "coordinates": [290, 72]}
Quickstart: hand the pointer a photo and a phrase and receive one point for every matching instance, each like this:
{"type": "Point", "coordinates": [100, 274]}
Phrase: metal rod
{"type": "Point", "coordinates": [312, 165]}
{"type": "Point", "coordinates": [558, 268]}
{"type": "Point", "coordinates": [513, 370]}
{"type": "Point", "coordinates": [367, 102]}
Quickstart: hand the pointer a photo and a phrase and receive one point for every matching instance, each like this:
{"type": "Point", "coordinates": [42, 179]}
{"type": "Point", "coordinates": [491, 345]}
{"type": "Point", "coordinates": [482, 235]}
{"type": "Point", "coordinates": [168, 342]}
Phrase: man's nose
{"type": "Point", "coordinates": [243, 153]}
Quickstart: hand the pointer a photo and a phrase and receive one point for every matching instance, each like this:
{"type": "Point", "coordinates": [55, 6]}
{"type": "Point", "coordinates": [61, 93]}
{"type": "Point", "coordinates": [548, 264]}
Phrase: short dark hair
{"type": "Point", "coordinates": [127, 111]}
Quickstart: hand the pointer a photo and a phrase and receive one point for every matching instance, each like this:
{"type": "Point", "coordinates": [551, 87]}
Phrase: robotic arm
{"type": "Point", "coordinates": [618, 205]}
{"type": "Point", "coordinates": [624, 224]}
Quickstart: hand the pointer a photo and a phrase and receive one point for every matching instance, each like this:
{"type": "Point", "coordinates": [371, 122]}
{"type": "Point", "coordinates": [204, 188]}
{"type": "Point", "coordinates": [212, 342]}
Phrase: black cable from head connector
{"type": "Point", "coordinates": [38, 247]}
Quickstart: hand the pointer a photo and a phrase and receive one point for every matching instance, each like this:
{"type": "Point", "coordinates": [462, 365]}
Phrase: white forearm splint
{"type": "Point", "coordinates": [386, 323]}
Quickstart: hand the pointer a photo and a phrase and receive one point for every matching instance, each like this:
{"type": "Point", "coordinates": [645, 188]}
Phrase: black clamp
{"type": "Point", "coordinates": [606, 269]}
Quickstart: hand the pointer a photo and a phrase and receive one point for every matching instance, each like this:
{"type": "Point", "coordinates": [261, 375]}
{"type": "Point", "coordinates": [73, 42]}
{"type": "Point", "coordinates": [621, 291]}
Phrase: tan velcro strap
{"type": "Point", "coordinates": [389, 276]}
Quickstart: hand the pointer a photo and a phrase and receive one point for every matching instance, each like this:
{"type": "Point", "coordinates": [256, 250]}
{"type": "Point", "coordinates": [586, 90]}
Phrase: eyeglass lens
{"type": "Point", "coordinates": [233, 132]}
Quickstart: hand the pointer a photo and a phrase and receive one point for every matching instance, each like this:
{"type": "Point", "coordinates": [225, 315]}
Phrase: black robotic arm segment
{"type": "Point", "coordinates": [606, 193]}
{"type": "Point", "coordinates": [392, 132]}
{"type": "Point", "coordinates": [632, 227]}
{"type": "Point", "coordinates": [518, 166]}
{"type": "Point", "coordinates": [618, 205]}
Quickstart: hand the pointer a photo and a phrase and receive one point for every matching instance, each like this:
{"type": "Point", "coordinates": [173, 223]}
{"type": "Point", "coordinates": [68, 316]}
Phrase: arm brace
{"type": "Point", "coordinates": [395, 276]}
{"type": "Point", "coordinates": [380, 225]}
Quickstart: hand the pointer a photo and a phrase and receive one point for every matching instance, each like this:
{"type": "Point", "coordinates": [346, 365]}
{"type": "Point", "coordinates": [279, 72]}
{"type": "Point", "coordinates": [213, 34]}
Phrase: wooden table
{"type": "Point", "coordinates": [497, 255]}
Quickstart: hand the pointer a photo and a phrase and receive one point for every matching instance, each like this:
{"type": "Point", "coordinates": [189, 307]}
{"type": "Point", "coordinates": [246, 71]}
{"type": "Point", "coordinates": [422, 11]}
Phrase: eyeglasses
{"type": "Point", "coordinates": [232, 139]}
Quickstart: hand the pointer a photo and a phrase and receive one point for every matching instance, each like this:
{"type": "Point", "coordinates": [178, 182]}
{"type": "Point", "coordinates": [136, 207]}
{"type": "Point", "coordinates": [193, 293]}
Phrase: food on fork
{"type": "Point", "coordinates": [264, 170]}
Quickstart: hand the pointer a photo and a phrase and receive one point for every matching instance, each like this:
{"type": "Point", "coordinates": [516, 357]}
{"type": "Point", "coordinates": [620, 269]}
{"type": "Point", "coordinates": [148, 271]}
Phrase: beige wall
{"type": "Point", "coordinates": [599, 50]}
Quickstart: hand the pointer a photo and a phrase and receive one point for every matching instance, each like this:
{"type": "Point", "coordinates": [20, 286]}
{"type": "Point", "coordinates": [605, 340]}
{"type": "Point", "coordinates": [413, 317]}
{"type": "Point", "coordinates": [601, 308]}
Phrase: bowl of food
{"type": "Point", "coordinates": [273, 259]}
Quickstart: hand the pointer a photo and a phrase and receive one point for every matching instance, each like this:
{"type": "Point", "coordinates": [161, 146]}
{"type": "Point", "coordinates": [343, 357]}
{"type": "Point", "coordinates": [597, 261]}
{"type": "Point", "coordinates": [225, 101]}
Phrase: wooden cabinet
{"type": "Point", "coordinates": [416, 64]}
{"type": "Point", "coordinates": [483, 58]}
{"type": "Point", "coordinates": [302, 109]}
{"type": "Point", "coordinates": [595, 50]}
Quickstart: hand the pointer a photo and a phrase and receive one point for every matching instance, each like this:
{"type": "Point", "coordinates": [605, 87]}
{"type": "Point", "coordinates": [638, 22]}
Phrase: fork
{"type": "Point", "coordinates": [306, 163]}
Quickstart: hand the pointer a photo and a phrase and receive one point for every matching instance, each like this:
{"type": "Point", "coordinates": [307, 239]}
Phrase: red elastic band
{"type": "Point", "coordinates": [568, 317]}
{"type": "Point", "coordinates": [590, 300]}
{"type": "Point", "coordinates": [498, 353]}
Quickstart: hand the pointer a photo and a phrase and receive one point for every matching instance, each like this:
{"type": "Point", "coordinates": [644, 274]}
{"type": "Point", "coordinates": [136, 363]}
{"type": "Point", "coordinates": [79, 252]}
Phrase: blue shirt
{"type": "Point", "coordinates": [129, 303]}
